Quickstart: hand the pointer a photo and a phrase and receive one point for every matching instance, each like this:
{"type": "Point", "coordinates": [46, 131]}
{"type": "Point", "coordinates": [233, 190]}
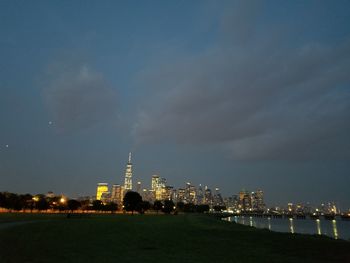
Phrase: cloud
{"type": "Point", "coordinates": [77, 96]}
{"type": "Point", "coordinates": [261, 99]}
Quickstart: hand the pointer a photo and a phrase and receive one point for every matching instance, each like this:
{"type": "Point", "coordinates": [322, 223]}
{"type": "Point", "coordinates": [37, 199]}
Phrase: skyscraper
{"type": "Point", "coordinates": [155, 182]}
{"type": "Point", "coordinates": [128, 175]}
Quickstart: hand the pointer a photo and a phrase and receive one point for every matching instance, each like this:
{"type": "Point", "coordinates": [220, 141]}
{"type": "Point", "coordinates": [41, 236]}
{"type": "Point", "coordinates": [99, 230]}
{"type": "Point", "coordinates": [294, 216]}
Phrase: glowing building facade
{"type": "Point", "coordinates": [159, 188]}
{"type": "Point", "coordinates": [101, 188]}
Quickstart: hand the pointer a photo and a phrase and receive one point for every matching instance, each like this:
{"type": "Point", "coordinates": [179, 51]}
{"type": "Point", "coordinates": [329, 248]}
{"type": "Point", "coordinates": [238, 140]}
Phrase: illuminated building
{"type": "Point", "coordinates": [128, 175]}
{"type": "Point", "coordinates": [232, 203]}
{"type": "Point", "coordinates": [200, 195]}
{"type": "Point", "coordinates": [245, 200]}
{"type": "Point", "coordinates": [291, 208]}
{"type": "Point", "coordinates": [155, 182]}
{"type": "Point", "coordinates": [105, 197]}
{"type": "Point", "coordinates": [159, 187]}
{"type": "Point", "coordinates": [50, 194]}
{"type": "Point", "coordinates": [217, 200]}
{"type": "Point", "coordinates": [117, 194]}
{"type": "Point", "coordinates": [138, 187]}
{"type": "Point", "coordinates": [257, 201]}
{"type": "Point", "coordinates": [147, 195]}
{"type": "Point", "coordinates": [180, 195]}
{"type": "Point", "coordinates": [190, 196]}
{"type": "Point", "coordinates": [208, 198]}
{"type": "Point", "coordinates": [101, 188]}
{"type": "Point", "coordinates": [167, 193]}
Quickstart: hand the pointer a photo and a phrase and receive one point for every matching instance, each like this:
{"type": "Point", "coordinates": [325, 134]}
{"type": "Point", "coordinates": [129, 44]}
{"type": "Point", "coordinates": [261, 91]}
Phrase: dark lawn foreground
{"type": "Point", "coordinates": [155, 238]}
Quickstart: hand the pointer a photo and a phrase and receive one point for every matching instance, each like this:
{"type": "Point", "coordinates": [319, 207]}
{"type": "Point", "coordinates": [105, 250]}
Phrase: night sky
{"type": "Point", "coordinates": [229, 94]}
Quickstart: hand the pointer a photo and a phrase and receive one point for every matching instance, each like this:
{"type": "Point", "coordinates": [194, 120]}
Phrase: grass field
{"type": "Point", "coordinates": [155, 238]}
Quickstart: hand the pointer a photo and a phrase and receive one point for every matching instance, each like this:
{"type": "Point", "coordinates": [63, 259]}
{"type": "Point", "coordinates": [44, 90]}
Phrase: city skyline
{"type": "Point", "coordinates": [160, 190]}
{"type": "Point", "coordinates": [230, 94]}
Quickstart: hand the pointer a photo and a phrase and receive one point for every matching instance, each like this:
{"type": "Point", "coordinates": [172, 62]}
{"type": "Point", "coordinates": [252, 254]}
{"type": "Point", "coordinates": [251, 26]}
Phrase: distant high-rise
{"type": "Point", "coordinates": [155, 182]}
{"type": "Point", "coordinates": [101, 188]}
{"type": "Point", "coordinates": [208, 198]}
{"type": "Point", "coordinates": [257, 200]}
{"type": "Point", "coordinates": [117, 194]}
{"type": "Point", "coordinates": [200, 195]}
{"type": "Point", "coordinates": [159, 187]}
{"type": "Point", "coordinates": [128, 175]}
{"type": "Point", "coordinates": [138, 187]}
{"type": "Point", "coordinates": [190, 193]}
{"type": "Point", "coordinates": [217, 199]}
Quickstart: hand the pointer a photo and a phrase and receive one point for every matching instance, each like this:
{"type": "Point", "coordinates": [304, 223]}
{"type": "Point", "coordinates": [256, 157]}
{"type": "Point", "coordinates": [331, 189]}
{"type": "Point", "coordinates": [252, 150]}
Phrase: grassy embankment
{"type": "Point", "coordinates": [152, 238]}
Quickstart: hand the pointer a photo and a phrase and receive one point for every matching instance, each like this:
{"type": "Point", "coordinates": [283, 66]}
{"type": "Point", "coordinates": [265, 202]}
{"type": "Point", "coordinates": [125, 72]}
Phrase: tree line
{"type": "Point", "coordinates": [132, 202]}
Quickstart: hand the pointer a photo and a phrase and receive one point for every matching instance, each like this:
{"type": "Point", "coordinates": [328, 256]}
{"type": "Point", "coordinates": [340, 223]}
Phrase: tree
{"type": "Point", "coordinates": [158, 205]}
{"type": "Point", "coordinates": [85, 204]}
{"type": "Point", "coordinates": [97, 205]}
{"type": "Point", "coordinates": [168, 206]}
{"type": "Point", "coordinates": [27, 201]}
{"type": "Point", "coordinates": [202, 208]}
{"type": "Point", "coordinates": [131, 201]}
{"type": "Point", "coordinates": [111, 207]}
{"type": "Point", "coordinates": [2, 200]}
{"type": "Point", "coordinates": [219, 208]}
{"type": "Point", "coordinates": [189, 208]}
{"type": "Point", "coordinates": [73, 205]}
{"type": "Point", "coordinates": [143, 207]}
{"type": "Point", "coordinates": [42, 203]}
{"type": "Point", "coordinates": [180, 206]}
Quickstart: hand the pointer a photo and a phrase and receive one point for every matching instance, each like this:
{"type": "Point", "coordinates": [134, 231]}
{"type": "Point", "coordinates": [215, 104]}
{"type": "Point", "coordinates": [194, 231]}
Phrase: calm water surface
{"type": "Point", "coordinates": [333, 228]}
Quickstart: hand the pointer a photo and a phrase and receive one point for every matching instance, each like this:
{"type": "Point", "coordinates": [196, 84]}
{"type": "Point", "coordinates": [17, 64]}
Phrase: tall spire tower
{"type": "Point", "coordinates": [128, 175]}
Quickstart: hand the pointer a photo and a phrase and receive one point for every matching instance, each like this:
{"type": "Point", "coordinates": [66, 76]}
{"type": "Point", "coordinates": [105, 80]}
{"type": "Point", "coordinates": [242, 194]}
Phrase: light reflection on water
{"type": "Point", "coordinates": [318, 223]}
{"type": "Point", "coordinates": [291, 225]}
{"type": "Point", "coordinates": [333, 228]}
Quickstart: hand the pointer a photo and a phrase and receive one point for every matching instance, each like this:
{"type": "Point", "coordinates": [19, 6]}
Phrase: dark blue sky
{"type": "Point", "coordinates": [229, 94]}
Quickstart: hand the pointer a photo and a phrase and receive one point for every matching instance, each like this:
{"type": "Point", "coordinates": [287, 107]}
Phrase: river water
{"type": "Point", "coordinates": [337, 229]}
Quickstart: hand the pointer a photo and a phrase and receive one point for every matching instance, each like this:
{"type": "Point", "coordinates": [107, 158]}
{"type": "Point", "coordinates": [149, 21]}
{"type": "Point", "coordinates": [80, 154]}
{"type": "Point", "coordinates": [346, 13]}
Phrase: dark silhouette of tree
{"type": "Point", "coordinates": [42, 203]}
{"type": "Point", "coordinates": [219, 208]}
{"type": "Point", "coordinates": [97, 205]}
{"type": "Point", "coordinates": [73, 205]}
{"type": "Point", "coordinates": [189, 208]}
{"type": "Point", "coordinates": [143, 207]}
{"type": "Point", "coordinates": [27, 201]}
{"type": "Point", "coordinates": [2, 200]}
{"type": "Point", "coordinates": [131, 201]}
{"type": "Point", "coordinates": [180, 206]}
{"type": "Point", "coordinates": [55, 203]}
{"type": "Point", "coordinates": [111, 207]}
{"type": "Point", "coordinates": [14, 202]}
{"type": "Point", "coordinates": [202, 208]}
{"type": "Point", "coordinates": [85, 204]}
{"type": "Point", "coordinates": [168, 206]}
{"type": "Point", "coordinates": [157, 205]}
